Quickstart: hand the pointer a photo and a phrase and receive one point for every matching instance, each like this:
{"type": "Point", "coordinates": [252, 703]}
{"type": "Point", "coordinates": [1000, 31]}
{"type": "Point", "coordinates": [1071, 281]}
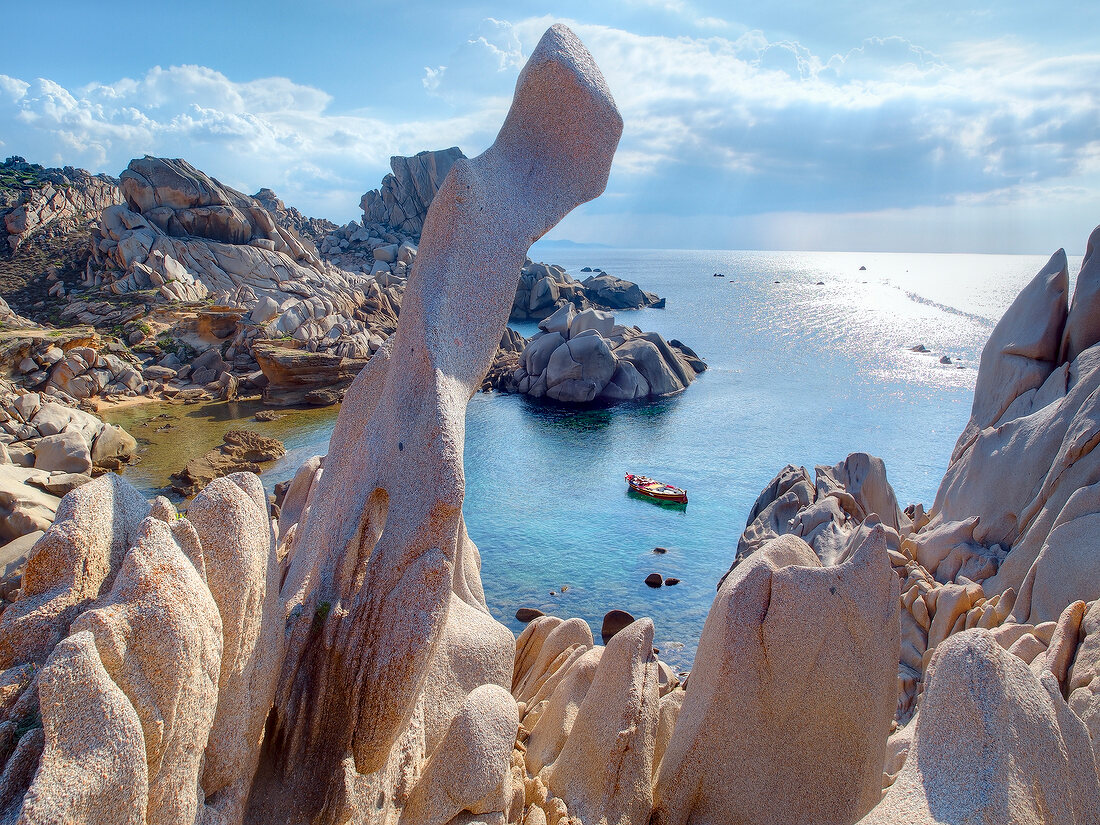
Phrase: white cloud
{"type": "Point", "coordinates": [264, 132]}
{"type": "Point", "coordinates": [485, 65]}
{"type": "Point", "coordinates": [771, 122]}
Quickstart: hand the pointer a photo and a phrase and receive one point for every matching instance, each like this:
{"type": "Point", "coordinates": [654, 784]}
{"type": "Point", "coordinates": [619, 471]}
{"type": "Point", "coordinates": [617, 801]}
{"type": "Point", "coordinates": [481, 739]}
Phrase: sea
{"type": "Point", "coordinates": [810, 357]}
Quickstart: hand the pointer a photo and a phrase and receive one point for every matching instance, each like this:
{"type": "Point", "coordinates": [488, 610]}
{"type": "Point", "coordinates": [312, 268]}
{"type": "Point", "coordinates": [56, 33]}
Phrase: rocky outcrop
{"type": "Point", "coordinates": [996, 675]}
{"type": "Point", "coordinates": [312, 229]}
{"type": "Point", "coordinates": [140, 661]}
{"type": "Point", "coordinates": [189, 236]}
{"type": "Point", "coordinates": [994, 742]}
{"type": "Point", "coordinates": [79, 373]}
{"type": "Point", "coordinates": [297, 376]}
{"type": "Point", "coordinates": [584, 357]}
{"type": "Point", "coordinates": [783, 627]}
{"type": "Point", "coordinates": [1020, 486]}
{"type": "Point", "coordinates": [403, 199]}
{"type": "Point", "coordinates": [390, 496]}
{"type": "Point", "coordinates": [33, 198]}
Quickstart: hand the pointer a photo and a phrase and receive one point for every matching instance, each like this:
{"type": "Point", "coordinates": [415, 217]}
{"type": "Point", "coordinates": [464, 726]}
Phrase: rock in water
{"type": "Point", "coordinates": [783, 629]}
{"type": "Point", "coordinates": [389, 636]}
{"type": "Point", "coordinates": [581, 357]}
{"type": "Point", "coordinates": [243, 451]}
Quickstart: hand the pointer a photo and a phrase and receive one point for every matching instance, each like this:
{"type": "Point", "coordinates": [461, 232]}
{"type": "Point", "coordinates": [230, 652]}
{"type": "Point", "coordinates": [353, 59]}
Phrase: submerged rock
{"type": "Point", "coordinates": [242, 451]}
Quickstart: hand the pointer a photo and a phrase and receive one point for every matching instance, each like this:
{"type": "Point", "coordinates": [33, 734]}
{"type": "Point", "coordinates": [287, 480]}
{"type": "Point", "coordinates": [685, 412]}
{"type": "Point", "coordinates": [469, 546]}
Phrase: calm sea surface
{"type": "Point", "coordinates": [809, 360]}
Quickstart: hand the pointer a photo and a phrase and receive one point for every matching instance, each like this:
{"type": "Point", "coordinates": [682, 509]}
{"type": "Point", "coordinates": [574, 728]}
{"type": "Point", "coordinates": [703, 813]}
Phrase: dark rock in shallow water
{"type": "Point", "coordinates": [654, 580]}
{"type": "Point", "coordinates": [528, 614]}
{"type": "Point", "coordinates": [240, 452]}
{"type": "Point", "coordinates": [671, 580]}
{"type": "Point", "coordinates": [613, 622]}
{"type": "Point", "coordinates": [324, 398]}
{"type": "Point", "coordinates": [660, 550]}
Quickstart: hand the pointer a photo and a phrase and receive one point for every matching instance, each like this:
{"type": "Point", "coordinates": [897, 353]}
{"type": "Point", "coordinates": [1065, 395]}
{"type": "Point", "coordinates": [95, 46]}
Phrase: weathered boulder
{"type": "Point", "coordinates": [545, 289]}
{"type": "Point", "coordinates": [24, 507]}
{"type": "Point", "coordinates": [604, 771]}
{"type": "Point", "coordinates": [65, 452]}
{"type": "Point", "coordinates": [230, 518]}
{"type": "Point", "coordinates": [993, 743]}
{"type": "Point", "coordinates": [782, 628]}
{"type": "Point", "coordinates": [94, 766]}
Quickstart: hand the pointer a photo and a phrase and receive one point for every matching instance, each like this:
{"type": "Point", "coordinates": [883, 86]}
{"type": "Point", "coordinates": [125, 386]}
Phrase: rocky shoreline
{"type": "Point", "coordinates": [335, 661]}
{"type": "Point", "coordinates": [167, 285]}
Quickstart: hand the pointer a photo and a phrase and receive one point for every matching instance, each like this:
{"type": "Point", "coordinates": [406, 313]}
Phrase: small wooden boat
{"type": "Point", "coordinates": [646, 486]}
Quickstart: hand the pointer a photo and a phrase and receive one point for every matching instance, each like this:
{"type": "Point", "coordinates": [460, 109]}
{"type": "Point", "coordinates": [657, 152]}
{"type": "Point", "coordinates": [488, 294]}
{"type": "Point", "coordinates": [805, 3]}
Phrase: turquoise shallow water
{"type": "Point", "coordinates": [800, 371]}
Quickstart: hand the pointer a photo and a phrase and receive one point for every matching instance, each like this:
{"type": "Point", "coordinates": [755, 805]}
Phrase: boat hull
{"type": "Point", "coordinates": [655, 490]}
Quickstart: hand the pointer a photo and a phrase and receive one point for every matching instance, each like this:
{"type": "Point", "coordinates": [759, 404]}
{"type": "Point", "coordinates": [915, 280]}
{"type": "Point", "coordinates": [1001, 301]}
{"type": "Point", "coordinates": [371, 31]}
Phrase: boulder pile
{"type": "Point", "coordinates": [582, 357]}
{"type": "Point", "coordinates": [546, 288]}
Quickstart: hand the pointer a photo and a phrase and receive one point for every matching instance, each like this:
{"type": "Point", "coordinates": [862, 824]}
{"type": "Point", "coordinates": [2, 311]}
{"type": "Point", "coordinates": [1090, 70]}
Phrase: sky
{"type": "Point", "coordinates": [802, 124]}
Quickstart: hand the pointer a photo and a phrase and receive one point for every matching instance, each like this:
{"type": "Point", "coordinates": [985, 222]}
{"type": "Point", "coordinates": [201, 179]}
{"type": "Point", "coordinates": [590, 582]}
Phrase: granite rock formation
{"type": "Point", "coordinates": [997, 687]}
{"type": "Point", "coordinates": [582, 357]}
{"type": "Point", "coordinates": [342, 666]}
{"type": "Point", "coordinates": [403, 199]}
{"type": "Point", "coordinates": [544, 289]}
{"type": "Point", "coordinates": [33, 198]}
{"type": "Point", "coordinates": [382, 553]}
{"type": "Point", "coordinates": [994, 742]}
{"type": "Point", "coordinates": [190, 237]}
{"type": "Point", "coordinates": [783, 626]}
{"type": "Point", "coordinates": [122, 678]}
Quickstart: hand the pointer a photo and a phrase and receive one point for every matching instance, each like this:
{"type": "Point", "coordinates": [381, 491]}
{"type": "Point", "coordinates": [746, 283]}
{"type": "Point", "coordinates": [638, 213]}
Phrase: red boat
{"type": "Point", "coordinates": [646, 486]}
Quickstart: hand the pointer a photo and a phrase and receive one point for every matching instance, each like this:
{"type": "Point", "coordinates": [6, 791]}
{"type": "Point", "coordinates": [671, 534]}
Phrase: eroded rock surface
{"type": "Point", "coordinates": [383, 553]}
{"type": "Point", "coordinates": [782, 628]}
